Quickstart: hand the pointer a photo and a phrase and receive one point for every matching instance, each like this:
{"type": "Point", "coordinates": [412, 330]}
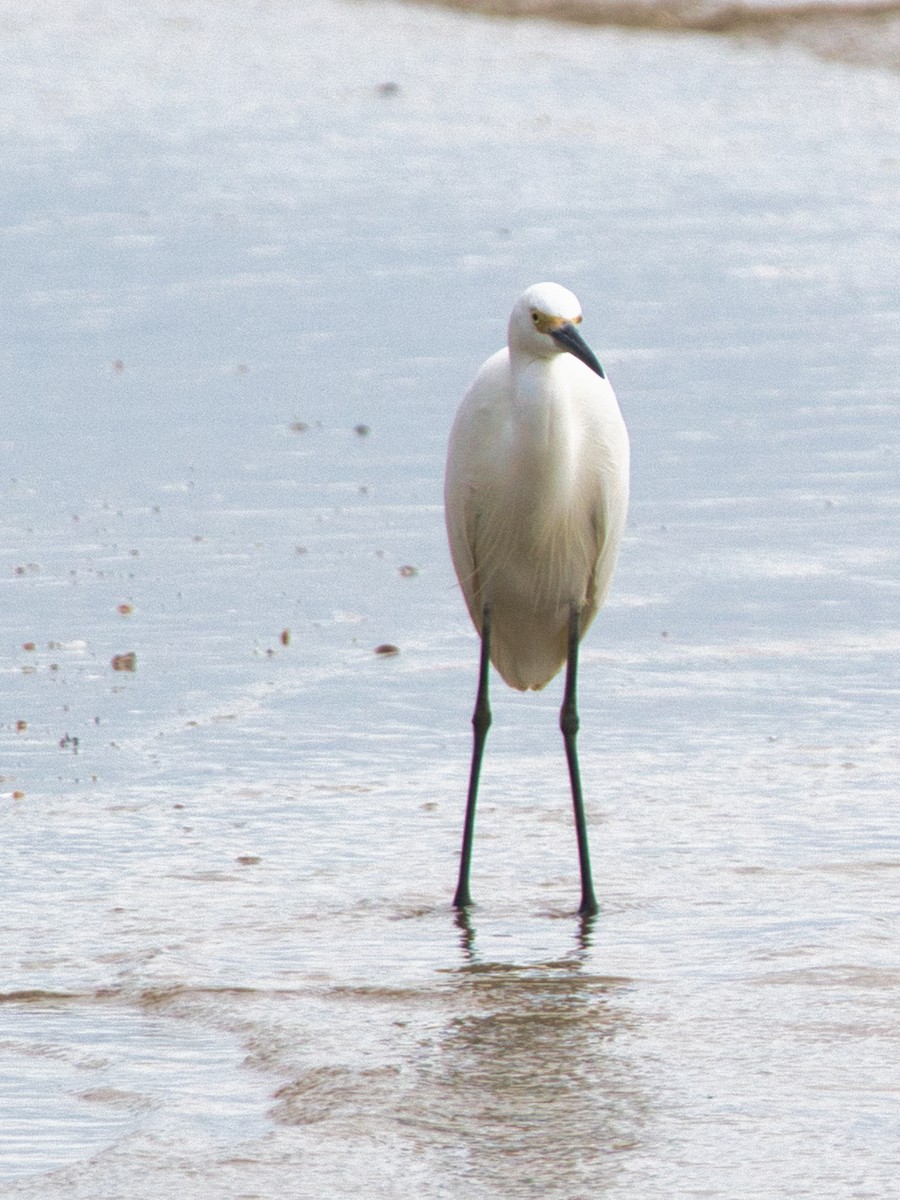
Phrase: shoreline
{"type": "Point", "coordinates": [865, 34]}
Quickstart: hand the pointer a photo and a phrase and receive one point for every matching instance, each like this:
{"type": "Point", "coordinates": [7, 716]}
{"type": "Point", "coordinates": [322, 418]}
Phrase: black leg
{"type": "Point", "coordinates": [569, 723]}
{"type": "Point", "coordinates": [481, 723]}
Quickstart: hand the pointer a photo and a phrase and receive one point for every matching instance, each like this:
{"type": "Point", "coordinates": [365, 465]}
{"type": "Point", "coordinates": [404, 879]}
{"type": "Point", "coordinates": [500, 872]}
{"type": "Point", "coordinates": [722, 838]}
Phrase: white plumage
{"type": "Point", "coordinates": [536, 487]}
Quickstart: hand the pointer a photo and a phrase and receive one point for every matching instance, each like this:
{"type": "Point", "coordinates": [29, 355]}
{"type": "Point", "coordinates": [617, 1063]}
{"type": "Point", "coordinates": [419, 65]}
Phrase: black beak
{"type": "Point", "coordinates": [568, 338]}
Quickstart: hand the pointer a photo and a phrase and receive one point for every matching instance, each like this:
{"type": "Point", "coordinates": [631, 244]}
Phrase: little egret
{"type": "Point", "coordinates": [536, 494]}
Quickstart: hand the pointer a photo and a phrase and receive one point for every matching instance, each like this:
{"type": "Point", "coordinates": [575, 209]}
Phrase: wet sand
{"type": "Point", "coordinates": [853, 31]}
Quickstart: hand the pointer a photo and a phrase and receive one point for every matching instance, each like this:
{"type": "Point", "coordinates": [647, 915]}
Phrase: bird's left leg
{"type": "Point", "coordinates": [569, 724]}
{"type": "Point", "coordinates": [481, 723]}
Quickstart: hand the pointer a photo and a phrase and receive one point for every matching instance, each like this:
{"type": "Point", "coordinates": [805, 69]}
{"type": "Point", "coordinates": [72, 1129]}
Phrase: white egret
{"type": "Point", "coordinates": [536, 494]}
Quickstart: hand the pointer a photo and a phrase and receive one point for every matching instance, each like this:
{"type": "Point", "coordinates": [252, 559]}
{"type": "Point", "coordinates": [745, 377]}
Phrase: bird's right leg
{"type": "Point", "coordinates": [481, 723]}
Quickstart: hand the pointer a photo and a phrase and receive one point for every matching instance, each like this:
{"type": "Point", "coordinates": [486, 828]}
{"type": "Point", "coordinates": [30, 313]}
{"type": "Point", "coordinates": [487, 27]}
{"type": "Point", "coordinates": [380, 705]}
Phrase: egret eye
{"type": "Point", "coordinates": [535, 316]}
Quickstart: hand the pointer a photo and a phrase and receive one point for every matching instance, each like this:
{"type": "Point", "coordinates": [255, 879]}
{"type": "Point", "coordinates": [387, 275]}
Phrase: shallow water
{"type": "Point", "coordinates": [230, 964]}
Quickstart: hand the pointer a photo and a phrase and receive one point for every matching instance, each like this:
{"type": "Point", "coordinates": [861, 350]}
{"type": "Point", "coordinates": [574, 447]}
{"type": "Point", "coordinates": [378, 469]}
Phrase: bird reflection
{"type": "Point", "coordinates": [462, 918]}
{"type": "Point", "coordinates": [528, 1074]}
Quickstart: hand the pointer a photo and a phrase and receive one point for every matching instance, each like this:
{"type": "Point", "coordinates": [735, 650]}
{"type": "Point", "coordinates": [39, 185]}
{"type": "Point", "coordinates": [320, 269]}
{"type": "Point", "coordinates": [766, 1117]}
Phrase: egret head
{"type": "Point", "coordinates": [545, 322]}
